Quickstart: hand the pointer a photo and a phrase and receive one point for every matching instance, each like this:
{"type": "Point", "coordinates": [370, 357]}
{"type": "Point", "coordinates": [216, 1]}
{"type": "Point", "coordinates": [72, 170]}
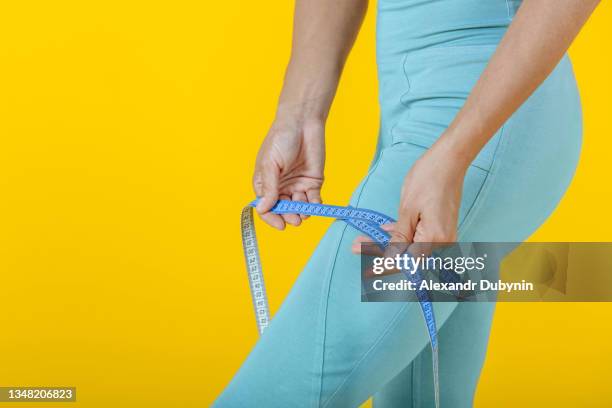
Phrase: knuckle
{"type": "Point", "coordinates": [257, 179]}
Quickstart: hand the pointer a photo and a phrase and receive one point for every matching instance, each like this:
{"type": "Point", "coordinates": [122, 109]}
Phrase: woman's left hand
{"type": "Point", "coordinates": [430, 200]}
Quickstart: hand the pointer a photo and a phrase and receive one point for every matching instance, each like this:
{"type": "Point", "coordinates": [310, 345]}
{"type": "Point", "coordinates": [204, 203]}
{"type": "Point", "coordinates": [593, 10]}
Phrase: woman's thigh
{"type": "Point", "coordinates": [325, 347]}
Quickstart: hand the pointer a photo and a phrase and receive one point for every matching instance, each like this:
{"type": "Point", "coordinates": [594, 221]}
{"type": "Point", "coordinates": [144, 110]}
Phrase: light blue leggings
{"type": "Point", "coordinates": [324, 347]}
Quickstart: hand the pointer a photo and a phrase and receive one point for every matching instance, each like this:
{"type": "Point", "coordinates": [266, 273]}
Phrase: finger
{"type": "Point", "coordinates": [362, 238]}
{"type": "Point", "coordinates": [432, 236]}
{"type": "Point", "coordinates": [403, 230]}
{"type": "Point", "coordinates": [265, 184]}
{"type": "Point", "coordinates": [402, 233]}
{"type": "Point", "coordinates": [366, 246]}
{"type": "Point", "coordinates": [274, 220]}
{"type": "Point", "coordinates": [266, 181]}
{"type": "Point", "coordinates": [398, 243]}
{"type": "Point", "coordinates": [314, 196]}
{"type": "Point", "coordinates": [389, 227]}
{"type": "Point", "coordinates": [258, 182]}
{"type": "Point", "coordinates": [300, 196]}
{"type": "Point", "coordinates": [292, 219]}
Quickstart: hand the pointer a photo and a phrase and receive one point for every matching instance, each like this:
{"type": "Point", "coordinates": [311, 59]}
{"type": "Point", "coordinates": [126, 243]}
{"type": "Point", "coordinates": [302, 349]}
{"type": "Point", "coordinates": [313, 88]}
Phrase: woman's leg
{"type": "Point", "coordinates": [533, 166]}
{"type": "Point", "coordinates": [462, 348]}
{"type": "Point", "coordinates": [325, 347]}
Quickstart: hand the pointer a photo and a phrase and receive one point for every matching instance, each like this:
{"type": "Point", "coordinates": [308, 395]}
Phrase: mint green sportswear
{"type": "Point", "coordinates": [325, 348]}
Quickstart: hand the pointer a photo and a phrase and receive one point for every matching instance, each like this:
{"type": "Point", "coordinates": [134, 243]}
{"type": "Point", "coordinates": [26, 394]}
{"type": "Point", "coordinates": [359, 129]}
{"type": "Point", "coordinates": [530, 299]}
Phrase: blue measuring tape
{"type": "Point", "coordinates": [368, 222]}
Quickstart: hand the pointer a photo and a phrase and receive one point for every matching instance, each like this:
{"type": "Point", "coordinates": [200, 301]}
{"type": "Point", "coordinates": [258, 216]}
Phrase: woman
{"type": "Point", "coordinates": [480, 136]}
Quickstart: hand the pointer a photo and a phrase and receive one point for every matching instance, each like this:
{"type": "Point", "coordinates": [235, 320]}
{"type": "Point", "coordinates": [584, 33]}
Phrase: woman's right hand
{"type": "Point", "coordinates": [289, 166]}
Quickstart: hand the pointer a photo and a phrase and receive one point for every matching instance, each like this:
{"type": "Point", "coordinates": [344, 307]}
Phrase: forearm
{"type": "Point", "coordinates": [540, 34]}
{"type": "Point", "coordinates": [324, 33]}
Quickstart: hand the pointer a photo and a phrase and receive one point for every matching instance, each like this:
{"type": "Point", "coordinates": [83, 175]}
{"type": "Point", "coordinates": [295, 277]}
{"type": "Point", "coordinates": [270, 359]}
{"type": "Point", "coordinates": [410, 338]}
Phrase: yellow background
{"type": "Point", "coordinates": [128, 131]}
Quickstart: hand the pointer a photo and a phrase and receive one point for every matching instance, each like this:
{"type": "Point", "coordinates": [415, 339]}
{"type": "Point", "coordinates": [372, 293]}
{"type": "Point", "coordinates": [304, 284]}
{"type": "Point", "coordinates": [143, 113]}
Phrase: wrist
{"type": "Point", "coordinates": [301, 110]}
{"type": "Point", "coordinates": [464, 138]}
{"type": "Point", "coordinates": [300, 117]}
{"type": "Point", "coordinates": [455, 152]}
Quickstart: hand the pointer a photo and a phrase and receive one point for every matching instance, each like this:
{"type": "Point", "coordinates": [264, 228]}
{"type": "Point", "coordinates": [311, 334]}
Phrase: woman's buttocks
{"type": "Point", "coordinates": [430, 54]}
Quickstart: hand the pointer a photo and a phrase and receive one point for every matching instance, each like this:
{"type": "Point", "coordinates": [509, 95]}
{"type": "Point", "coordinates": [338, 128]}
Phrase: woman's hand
{"type": "Point", "coordinates": [430, 200]}
{"type": "Point", "coordinates": [290, 166]}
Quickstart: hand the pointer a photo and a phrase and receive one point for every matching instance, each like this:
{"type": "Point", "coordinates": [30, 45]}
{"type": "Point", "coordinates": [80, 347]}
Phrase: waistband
{"type": "Point", "coordinates": [408, 25]}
